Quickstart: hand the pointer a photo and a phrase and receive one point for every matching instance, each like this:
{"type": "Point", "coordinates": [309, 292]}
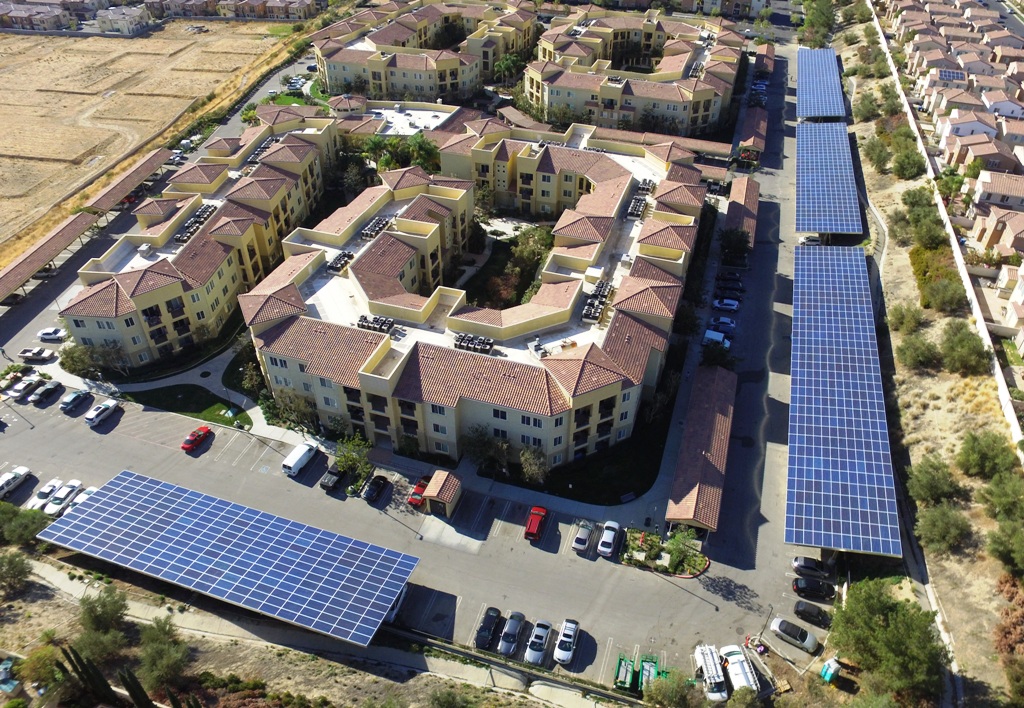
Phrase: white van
{"type": "Point", "coordinates": [298, 458]}
{"type": "Point", "coordinates": [711, 336]}
{"type": "Point", "coordinates": [707, 668]}
{"type": "Point", "coordinates": [738, 669]}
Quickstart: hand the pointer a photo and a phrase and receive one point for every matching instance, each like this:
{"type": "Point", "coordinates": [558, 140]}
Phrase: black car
{"type": "Point", "coordinates": [488, 628]}
{"type": "Point", "coordinates": [736, 285]}
{"type": "Point", "coordinates": [12, 300]}
{"type": "Point", "coordinates": [330, 480]}
{"type": "Point", "coordinates": [375, 488]}
{"type": "Point", "coordinates": [73, 400]}
{"type": "Point", "coordinates": [814, 589]}
{"type": "Point", "coordinates": [728, 275]}
{"type": "Point", "coordinates": [728, 295]}
{"type": "Point", "coordinates": [813, 614]}
{"type": "Point", "coordinates": [811, 568]}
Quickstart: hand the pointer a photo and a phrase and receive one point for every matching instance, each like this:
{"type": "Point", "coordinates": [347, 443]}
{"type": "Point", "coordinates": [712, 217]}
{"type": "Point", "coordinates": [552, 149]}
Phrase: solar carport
{"type": "Point", "coordinates": [826, 188]}
{"type": "Point", "coordinates": [819, 89]}
{"type": "Point", "coordinates": [316, 579]}
{"type": "Point", "coordinates": [840, 493]}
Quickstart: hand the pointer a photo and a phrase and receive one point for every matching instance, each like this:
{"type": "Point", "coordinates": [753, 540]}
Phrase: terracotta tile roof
{"type": "Point", "coordinates": [198, 173]}
{"type": "Point", "coordinates": [513, 116]}
{"type": "Point", "coordinates": [743, 206]}
{"type": "Point", "coordinates": [606, 199]}
{"type": "Point", "coordinates": [344, 217]}
{"type": "Point", "coordinates": [696, 496]}
{"type": "Point", "coordinates": [508, 148]}
{"type": "Point", "coordinates": [201, 258]}
{"type": "Point", "coordinates": [629, 342]}
{"type": "Point", "coordinates": [973, 116]}
{"type": "Point", "coordinates": [684, 174]}
{"type": "Point", "coordinates": [708, 147]}
{"type": "Point", "coordinates": [159, 207]}
{"type": "Point", "coordinates": [443, 486]}
{"type": "Point", "coordinates": [754, 132]}
{"type": "Point", "coordinates": [582, 370]}
{"type": "Point", "coordinates": [660, 233]}
{"type": "Point", "coordinates": [143, 280]}
{"type": "Point", "coordinates": [461, 144]}
{"type": "Point", "coordinates": [650, 89]}
{"type": "Point", "coordinates": [425, 208]}
{"type": "Point", "coordinates": [278, 295]}
{"type": "Point", "coordinates": [572, 224]}
{"type": "Point", "coordinates": [549, 297]}
{"type": "Point", "coordinates": [648, 297]}
{"type": "Point", "coordinates": [487, 126]}
{"type": "Point", "coordinates": [234, 218]}
{"type": "Point", "coordinates": [228, 144]}
{"type": "Point", "coordinates": [567, 79]}
{"type": "Point", "coordinates": [675, 62]}
{"type": "Point", "coordinates": [347, 103]}
{"type": "Point", "coordinates": [330, 350]}
{"type": "Point", "coordinates": [125, 183]}
{"type": "Point", "coordinates": [359, 124]}
{"type": "Point", "coordinates": [670, 152]}
{"type": "Point", "coordinates": [263, 183]}
{"type": "Point", "coordinates": [391, 35]}
{"type": "Point", "coordinates": [684, 194]}
{"type": "Point", "coordinates": [452, 182]}
{"type": "Point", "coordinates": [645, 269]}
{"type": "Point", "coordinates": [274, 115]}
{"type": "Point", "coordinates": [386, 256]}
{"type": "Point", "coordinates": [444, 376]}
{"type": "Point", "coordinates": [586, 251]}
{"type": "Point", "coordinates": [560, 295]}
{"type": "Point", "coordinates": [1000, 183]}
{"type": "Point", "coordinates": [291, 149]}
{"type": "Point", "coordinates": [105, 299]}
{"type": "Point", "coordinates": [407, 177]}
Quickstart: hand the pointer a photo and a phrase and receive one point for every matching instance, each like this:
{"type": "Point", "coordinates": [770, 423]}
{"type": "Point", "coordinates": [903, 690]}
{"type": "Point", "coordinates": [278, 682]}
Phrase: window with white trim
{"type": "Point", "coordinates": [441, 446]}
{"type": "Point", "coordinates": [436, 409]}
{"type": "Point", "coordinates": [440, 429]}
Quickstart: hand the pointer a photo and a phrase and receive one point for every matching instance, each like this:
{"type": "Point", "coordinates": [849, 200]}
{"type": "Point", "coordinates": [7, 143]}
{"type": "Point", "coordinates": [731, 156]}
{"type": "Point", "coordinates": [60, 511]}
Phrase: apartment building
{"type": "Point", "coordinates": [689, 86]}
{"type": "Point", "coordinates": [385, 52]}
{"type": "Point", "coordinates": [295, 10]}
{"type": "Point", "coordinates": [533, 375]}
{"type": "Point", "coordinates": [123, 20]}
{"type": "Point", "coordinates": [34, 17]}
{"type": "Point", "coordinates": [174, 276]}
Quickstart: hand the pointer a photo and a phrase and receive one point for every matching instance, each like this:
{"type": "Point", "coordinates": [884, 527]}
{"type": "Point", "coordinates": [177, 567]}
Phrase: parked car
{"type": "Point", "coordinates": [311, 68]}
{"type": "Point", "coordinates": [538, 644]}
{"type": "Point", "coordinates": [331, 479]}
{"type": "Point", "coordinates": [81, 497]}
{"type": "Point", "coordinates": [810, 241]}
{"type": "Point", "coordinates": [196, 438]}
{"type": "Point", "coordinates": [42, 497]}
{"type": "Point", "coordinates": [565, 647]}
{"type": "Point", "coordinates": [728, 295]}
{"type": "Point", "coordinates": [9, 481]}
{"type": "Point", "coordinates": [811, 568]}
{"type": "Point", "coordinates": [814, 589]}
{"type": "Point", "coordinates": [726, 305]}
{"type": "Point", "coordinates": [510, 634]}
{"type": "Point", "coordinates": [46, 273]}
{"type": "Point", "coordinates": [582, 540]}
{"type": "Point", "coordinates": [488, 628]}
{"type": "Point", "coordinates": [726, 325]}
{"type": "Point", "coordinates": [535, 523]}
{"type": "Point", "coordinates": [415, 499]}
{"type": "Point", "coordinates": [809, 612]}
{"type": "Point", "coordinates": [12, 300]}
{"type": "Point", "coordinates": [101, 412]}
{"type": "Point", "coordinates": [35, 354]}
{"type": "Point", "coordinates": [73, 400]}
{"type": "Point", "coordinates": [375, 488]}
{"type": "Point", "coordinates": [794, 634]}
{"type": "Point", "coordinates": [61, 498]}
{"type": "Point", "coordinates": [24, 388]}
{"type": "Point", "coordinates": [45, 392]}
{"type": "Point", "coordinates": [728, 275]}
{"type": "Point", "coordinates": [736, 285]}
{"type": "Point", "coordinates": [52, 334]}
{"type": "Point", "coordinates": [606, 546]}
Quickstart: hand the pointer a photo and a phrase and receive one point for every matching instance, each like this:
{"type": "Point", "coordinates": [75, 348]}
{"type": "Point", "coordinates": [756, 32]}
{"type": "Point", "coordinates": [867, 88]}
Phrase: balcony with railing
{"type": "Point", "coordinates": [159, 336]}
{"type": "Point", "coordinates": [604, 429]}
{"type": "Point", "coordinates": [182, 326]}
{"type": "Point", "coordinates": [356, 413]}
{"type": "Point", "coordinates": [410, 428]}
{"type": "Point", "coordinates": [580, 437]}
{"type": "Point", "coordinates": [582, 417]}
{"type": "Point", "coordinates": [606, 408]}
{"type": "Point", "coordinates": [379, 404]}
{"type": "Point", "coordinates": [381, 423]}
{"type": "Point", "coordinates": [352, 395]}
{"type": "Point", "coordinates": [407, 408]}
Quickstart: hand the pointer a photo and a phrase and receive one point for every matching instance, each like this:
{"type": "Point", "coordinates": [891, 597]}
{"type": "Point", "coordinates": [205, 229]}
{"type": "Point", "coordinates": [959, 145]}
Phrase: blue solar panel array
{"type": "Point", "coordinates": [841, 493]}
{"type": "Point", "coordinates": [951, 75]}
{"type": "Point", "coordinates": [297, 573]}
{"type": "Point", "coordinates": [819, 90]}
{"type": "Point", "coordinates": [826, 189]}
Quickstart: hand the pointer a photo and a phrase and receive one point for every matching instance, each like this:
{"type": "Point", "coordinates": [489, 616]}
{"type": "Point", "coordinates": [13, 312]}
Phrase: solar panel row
{"type": "Point", "coordinates": [819, 90]}
{"type": "Point", "coordinates": [840, 489]}
{"type": "Point", "coordinates": [314, 578]}
{"type": "Point", "coordinates": [826, 189]}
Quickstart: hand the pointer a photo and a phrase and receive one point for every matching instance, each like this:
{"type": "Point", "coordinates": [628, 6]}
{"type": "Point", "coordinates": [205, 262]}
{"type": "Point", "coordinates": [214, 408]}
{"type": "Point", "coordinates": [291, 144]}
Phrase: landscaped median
{"type": "Point", "coordinates": [678, 555]}
{"type": "Point", "coordinates": [192, 401]}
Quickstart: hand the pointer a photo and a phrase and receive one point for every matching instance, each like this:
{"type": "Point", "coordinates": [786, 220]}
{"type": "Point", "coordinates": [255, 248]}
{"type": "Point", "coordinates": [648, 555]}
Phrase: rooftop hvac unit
{"type": "Point", "coordinates": [145, 249]}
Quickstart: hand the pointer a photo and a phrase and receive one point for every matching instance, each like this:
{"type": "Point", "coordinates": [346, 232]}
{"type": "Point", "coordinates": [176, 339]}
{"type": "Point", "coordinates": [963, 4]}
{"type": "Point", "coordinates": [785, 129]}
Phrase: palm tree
{"type": "Point", "coordinates": [374, 147]}
{"type": "Point", "coordinates": [424, 153]}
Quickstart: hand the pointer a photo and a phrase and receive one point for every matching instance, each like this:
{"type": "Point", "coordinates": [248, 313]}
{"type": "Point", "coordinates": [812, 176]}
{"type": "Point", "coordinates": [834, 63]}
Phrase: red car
{"type": "Point", "coordinates": [196, 438]}
{"type": "Point", "coordinates": [416, 498]}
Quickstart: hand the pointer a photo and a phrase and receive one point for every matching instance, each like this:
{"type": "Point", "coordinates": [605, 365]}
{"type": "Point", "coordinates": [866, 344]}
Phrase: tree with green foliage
{"type": "Point", "coordinates": [877, 153]}
{"type": "Point", "coordinates": [916, 352]}
{"type": "Point", "coordinates": [1006, 544]}
{"type": "Point", "coordinates": [942, 528]}
{"type": "Point", "coordinates": [931, 481]}
{"type": "Point", "coordinates": [484, 449]}
{"type": "Point", "coordinates": [974, 168]}
{"type": "Point", "coordinates": [534, 464]}
{"type": "Point", "coordinates": [374, 147]}
{"type": "Point", "coordinates": [949, 183]}
{"type": "Point", "coordinates": [866, 107]}
{"type": "Point", "coordinates": [863, 13]}
{"type": "Point", "coordinates": [100, 646]}
{"type": "Point", "coordinates": [1003, 496]}
{"type": "Point", "coordinates": [448, 698]}
{"type": "Point", "coordinates": [424, 153]}
{"type": "Point", "coordinates": [508, 66]}
{"type": "Point", "coordinates": [352, 180]}
{"type": "Point", "coordinates": [895, 641]}
{"type": "Point", "coordinates": [929, 234]}
{"type": "Point", "coordinates": [944, 294]}
{"type": "Point", "coordinates": [164, 656]}
{"type": "Point", "coordinates": [14, 572]}
{"type": "Point", "coordinates": [16, 703]}
{"type": "Point", "coordinates": [891, 103]}
{"type": "Point", "coordinates": [985, 454]}
{"type": "Point", "coordinates": [735, 243]}
{"type": "Point", "coordinates": [532, 245]}
{"type": "Point", "coordinates": [40, 666]}
{"type": "Point", "coordinates": [22, 529]}
{"type": "Point", "coordinates": [908, 164]}
{"type": "Point", "coordinates": [351, 457]}
{"type": "Point", "coordinates": [716, 354]}
{"type": "Point", "coordinates": [963, 352]}
{"type": "Point", "coordinates": [104, 610]}
{"type": "Point", "coordinates": [905, 318]}
{"type": "Point", "coordinates": [743, 697]}
{"type": "Point", "coordinates": [672, 691]}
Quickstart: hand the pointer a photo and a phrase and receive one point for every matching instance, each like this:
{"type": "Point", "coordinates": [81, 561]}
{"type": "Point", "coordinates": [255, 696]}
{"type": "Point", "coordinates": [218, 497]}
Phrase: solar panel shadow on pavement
{"type": "Point", "coordinates": [323, 581]}
{"type": "Point", "coordinates": [826, 188]}
{"type": "Point", "coordinates": [840, 490]}
{"type": "Point", "coordinates": [819, 89]}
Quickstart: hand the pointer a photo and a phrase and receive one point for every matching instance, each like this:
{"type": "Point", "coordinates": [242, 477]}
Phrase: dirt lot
{"type": "Point", "coordinates": [74, 106]}
{"type": "Point", "coordinates": [936, 410]}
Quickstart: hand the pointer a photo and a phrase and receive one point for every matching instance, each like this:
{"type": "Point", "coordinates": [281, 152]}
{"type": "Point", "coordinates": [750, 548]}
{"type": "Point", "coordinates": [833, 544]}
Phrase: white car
{"type": "Point", "coordinates": [810, 241]}
{"type": "Point", "coordinates": [100, 412]}
{"type": "Point", "coordinates": [9, 481]}
{"type": "Point", "coordinates": [25, 387]}
{"type": "Point", "coordinates": [726, 305]}
{"type": "Point", "coordinates": [565, 647]}
{"type": "Point", "coordinates": [61, 498]}
{"type": "Point", "coordinates": [52, 334]}
{"type": "Point", "coordinates": [81, 497]}
{"type": "Point", "coordinates": [726, 325]}
{"type": "Point", "coordinates": [538, 643]}
{"type": "Point", "coordinates": [45, 493]}
{"type": "Point", "coordinates": [582, 540]}
{"type": "Point", "coordinates": [606, 547]}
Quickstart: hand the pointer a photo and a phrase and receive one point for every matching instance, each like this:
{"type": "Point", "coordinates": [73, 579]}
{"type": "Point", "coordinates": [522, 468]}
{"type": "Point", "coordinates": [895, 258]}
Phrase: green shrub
{"type": "Point", "coordinates": [985, 454]}
{"type": "Point", "coordinates": [917, 352]}
{"type": "Point", "coordinates": [942, 528]}
{"type": "Point", "coordinates": [931, 481]}
{"type": "Point", "coordinates": [963, 352]}
{"type": "Point", "coordinates": [1006, 544]}
{"type": "Point", "coordinates": [1003, 496]}
{"type": "Point", "coordinates": [945, 295]}
{"type": "Point", "coordinates": [908, 164]}
{"type": "Point", "coordinates": [905, 318]}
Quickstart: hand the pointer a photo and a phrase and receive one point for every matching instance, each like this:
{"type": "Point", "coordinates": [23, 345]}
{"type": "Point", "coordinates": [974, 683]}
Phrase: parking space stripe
{"type": "Point", "coordinates": [224, 449]}
{"type": "Point", "coordinates": [245, 449]}
{"type": "Point", "coordinates": [569, 537]}
{"type": "Point", "coordinates": [476, 623]}
{"type": "Point", "coordinates": [604, 662]}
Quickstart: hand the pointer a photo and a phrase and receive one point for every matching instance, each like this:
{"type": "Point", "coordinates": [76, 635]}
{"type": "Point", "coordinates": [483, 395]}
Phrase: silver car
{"type": "Point", "coordinates": [794, 634]}
{"type": "Point", "coordinates": [61, 498]}
{"type": "Point", "coordinates": [42, 497]}
{"type": "Point", "coordinates": [538, 645]}
{"type": "Point", "coordinates": [582, 540]}
{"type": "Point", "coordinates": [510, 634]}
{"type": "Point", "coordinates": [565, 647]}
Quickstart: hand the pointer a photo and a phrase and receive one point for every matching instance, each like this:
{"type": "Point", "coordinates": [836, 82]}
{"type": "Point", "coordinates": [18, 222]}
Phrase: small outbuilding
{"type": "Point", "coordinates": [442, 495]}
